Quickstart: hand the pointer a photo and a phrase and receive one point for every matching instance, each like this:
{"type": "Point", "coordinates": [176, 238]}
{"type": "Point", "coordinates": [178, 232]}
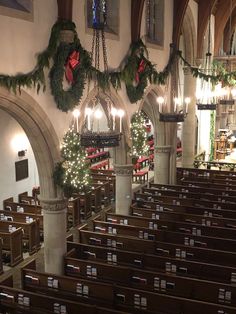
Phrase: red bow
{"type": "Point", "coordinates": [72, 63]}
{"type": "Point", "coordinates": [141, 68]}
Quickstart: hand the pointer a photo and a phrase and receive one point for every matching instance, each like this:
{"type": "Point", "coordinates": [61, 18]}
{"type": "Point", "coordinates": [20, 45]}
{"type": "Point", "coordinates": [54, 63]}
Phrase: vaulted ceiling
{"type": "Point", "coordinates": [223, 10]}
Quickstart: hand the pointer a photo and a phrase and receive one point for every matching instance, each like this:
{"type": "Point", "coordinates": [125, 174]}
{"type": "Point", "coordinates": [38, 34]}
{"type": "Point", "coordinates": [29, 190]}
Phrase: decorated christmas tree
{"type": "Point", "coordinates": [138, 136]}
{"type": "Point", "coordinates": [72, 174]}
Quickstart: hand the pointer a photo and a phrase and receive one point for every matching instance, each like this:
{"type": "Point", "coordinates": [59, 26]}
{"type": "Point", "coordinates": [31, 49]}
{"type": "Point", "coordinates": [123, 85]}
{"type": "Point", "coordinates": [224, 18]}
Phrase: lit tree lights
{"type": "Point", "coordinates": [138, 135]}
{"type": "Point", "coordinates": [72, 174]}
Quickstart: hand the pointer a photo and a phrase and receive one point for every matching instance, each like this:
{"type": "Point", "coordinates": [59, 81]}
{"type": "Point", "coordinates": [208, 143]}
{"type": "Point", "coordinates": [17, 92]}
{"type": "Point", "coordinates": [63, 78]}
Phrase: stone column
{"type": "Point", "coordinates": [189, 127]}
{"type": "Point", "coordinates": [54, 227]}
{"type": "Point", "coordinates": [223, 121]}
{"type": "Point", "coordinates": [162, 164]}
{"type": "Point", "coordinates": [123, 188]}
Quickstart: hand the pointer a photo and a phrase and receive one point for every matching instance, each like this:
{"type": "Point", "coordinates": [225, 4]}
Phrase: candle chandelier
{"type": "Point", "coordinates": [206, 95]}
{"type": "Point", "coordinates": [227, 94]}
{"type": "Point", "coordinates": [179, 108]}
{"type": "Point", "coordinates": [92, 134]}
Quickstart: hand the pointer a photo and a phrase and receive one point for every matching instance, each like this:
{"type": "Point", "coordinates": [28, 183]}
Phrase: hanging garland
{"type": "Point", "coordinates": [36, 78]}
{"type": "Point", "coordinates": [136, 72]}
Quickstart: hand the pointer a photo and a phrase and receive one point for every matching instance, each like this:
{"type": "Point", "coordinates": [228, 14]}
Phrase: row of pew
{"type": "Point", "coordinates": [174, 253]}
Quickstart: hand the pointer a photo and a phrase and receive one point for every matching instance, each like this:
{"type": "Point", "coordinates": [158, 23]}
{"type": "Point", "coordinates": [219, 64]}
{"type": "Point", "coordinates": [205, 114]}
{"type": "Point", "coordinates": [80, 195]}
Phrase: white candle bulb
{"type": "Point", "coordinates": [160, 101]}
{"type": "Point", "coordinates": [76, 114]}
{"type": "Point", "coordinates": [88, 112]}
{"type": "Point", "coordinates": [114, 113]}
{"type": "Point", "coordinates": [187, 102]}
{"type": "Point", "coordinates": [121, 113]}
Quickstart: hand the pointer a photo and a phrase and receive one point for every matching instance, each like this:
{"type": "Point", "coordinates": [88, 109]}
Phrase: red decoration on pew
{"type": "Point", "coordinates": [72, 63]}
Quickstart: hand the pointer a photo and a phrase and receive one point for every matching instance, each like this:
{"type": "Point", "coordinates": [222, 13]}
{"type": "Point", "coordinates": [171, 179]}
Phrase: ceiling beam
{"type": "Point", "coordinates": [65, 9]}
{"type": "Point", "coordinates": [222, 15]}
{"type": "Point", "coordinates": [180, 7]}
{"type": "Point", "coordinates": [204, 10]}
{"type": "Point", "coordinates": [136, 18]}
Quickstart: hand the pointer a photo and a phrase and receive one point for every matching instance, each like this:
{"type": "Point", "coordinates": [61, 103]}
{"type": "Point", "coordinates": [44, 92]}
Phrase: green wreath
{"type": "Point", "coordinates": [67, 99]}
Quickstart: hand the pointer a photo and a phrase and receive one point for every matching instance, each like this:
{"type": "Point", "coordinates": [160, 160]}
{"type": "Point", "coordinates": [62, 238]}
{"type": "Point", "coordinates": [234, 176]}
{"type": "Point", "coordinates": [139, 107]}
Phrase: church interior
{"type": "Point", "coordinates": [118, 151]}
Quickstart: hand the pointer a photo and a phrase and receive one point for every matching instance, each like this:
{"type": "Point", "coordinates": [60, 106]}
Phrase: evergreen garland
{"type": "Point", "coordinates": [138, 136]}
{"type": "Point", "coordinates": [212, 135]}
{"type": "Point", "coordinates": [127, 72]}
{"type": "Point", "coordinates": [72, 174]}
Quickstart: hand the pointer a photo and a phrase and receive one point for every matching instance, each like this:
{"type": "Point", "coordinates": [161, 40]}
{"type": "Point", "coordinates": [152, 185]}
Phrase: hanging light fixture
{"type": "Point", "coordinates": [228, 93]}
{"type": "Point", "coordinates": [206, 97]}
{"type": "Point", "coordinates": [93, 113]}
{"type": "Point", "coordinates": [180, 108]}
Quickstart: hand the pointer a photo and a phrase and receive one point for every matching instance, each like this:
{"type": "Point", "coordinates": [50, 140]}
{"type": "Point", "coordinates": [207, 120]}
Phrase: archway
{"type": "Point", "coordinates": [45, 144]}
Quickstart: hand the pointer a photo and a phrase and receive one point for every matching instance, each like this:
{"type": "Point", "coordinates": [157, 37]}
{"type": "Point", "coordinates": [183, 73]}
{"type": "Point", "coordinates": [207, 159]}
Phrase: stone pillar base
{"type": "Point", "coordinates": [162, 164]}
{"type": "Point", "coordinates": [123, 188]}
{"type": "Point", "coordinates": [54, 226]}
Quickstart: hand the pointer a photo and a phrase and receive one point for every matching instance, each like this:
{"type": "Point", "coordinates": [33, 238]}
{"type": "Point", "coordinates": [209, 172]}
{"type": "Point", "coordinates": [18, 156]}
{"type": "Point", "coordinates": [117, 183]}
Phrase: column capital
{"type": "Point", "coordinates": [124, 170]}
{"type": "Point", "coordinates": [53, 204]}
{"type": "Point", "coordinates": [163, 149]}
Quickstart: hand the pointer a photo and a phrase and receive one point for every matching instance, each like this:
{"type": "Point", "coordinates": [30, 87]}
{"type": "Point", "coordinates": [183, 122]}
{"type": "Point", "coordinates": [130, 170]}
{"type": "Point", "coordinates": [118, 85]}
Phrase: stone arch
{"type": "Point", "coordinates": [150, 107]}
{"type": "Point", "coordinates": [190, 36]}
{"type": "Point", "coordinates": [45, 144]}
{"type": "Point", "coordinates": [40, 132]}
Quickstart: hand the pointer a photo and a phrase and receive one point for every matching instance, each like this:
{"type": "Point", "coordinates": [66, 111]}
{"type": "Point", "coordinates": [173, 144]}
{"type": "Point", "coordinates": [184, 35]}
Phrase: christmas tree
{"type": "Point", "coordinates": [72, 174]}
{"type": "Point", "coordinates": [139, 136]}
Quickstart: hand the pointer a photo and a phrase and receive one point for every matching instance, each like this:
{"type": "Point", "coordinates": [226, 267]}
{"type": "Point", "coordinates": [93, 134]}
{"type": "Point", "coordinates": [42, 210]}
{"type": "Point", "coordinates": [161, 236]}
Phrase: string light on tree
{"type": "Point", "coordinates": [72, 174]}
{"type": "Point", "coordinates": [139, 136]}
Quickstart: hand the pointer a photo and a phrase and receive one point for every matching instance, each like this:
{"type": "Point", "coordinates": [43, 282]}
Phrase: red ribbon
{"type": "Point", "coordinates": [141, 68]}
{"type": "Point", "coordinates": [72, 63]}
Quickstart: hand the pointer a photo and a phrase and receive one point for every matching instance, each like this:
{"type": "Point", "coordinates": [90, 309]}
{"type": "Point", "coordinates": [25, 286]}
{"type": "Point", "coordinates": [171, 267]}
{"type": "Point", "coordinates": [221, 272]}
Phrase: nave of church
{"type": "Point", "coordinates": [118, 156]}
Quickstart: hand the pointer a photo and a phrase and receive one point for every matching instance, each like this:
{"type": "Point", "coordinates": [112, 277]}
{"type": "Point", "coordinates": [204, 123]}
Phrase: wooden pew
{"type": "Point", "coordinates": [9, 204]}
{"type": "Point", "coordinates": [176, 265]}
{"type": "Point", "coordinates": [106, 178]}
{"type": "Point", "coordinates": [215, 243]}
{"type": "Point", "coordinates": [177, 226]}
{"type": "Point", "coordinates": [168, 207]}
{"type": "Point", "coordinates": [1, 264]}
{"type": "Point", "coordinates": [105, 190]}
{"type": "Point", "coordinates": [183, 188]}
{"type": "Point", "coordinates": [25, 198]}
{"type": "Point", "coordinates": [30, 237]}
{"type": "Point", "coordinates": [64, 286]}
{"type": "Point", "coordinates": [190, 195]}
{"type": "Point", "coordinates": [84, 204]}
{"type": "Point", "coordinates": [14, 300]}
{"type": "Point", "coordinates": [140, 280]}
{"type": "Point", "coordinates": [96, 194]}
{"type": "Point", "coordinates": [22, 217]}
{"type": "Point", "coordinates": [183, 201]}
{"type": "Point", "coordinates": [184, 217]}
{"type": "Point", "coordinates": [158, 248]}
{"type": "Point", "coordinates": [12, 244]}
{"type": "Point", "coordinates": [73, 212]}
{"type": "Point", "coordinates": [143, 279]}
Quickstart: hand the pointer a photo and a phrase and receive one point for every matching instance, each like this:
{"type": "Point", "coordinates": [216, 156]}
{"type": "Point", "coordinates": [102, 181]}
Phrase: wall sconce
{"type": "Point", "coordinates": [21, 153]}
{"type": "Point", "coordinates": [178, 115]}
